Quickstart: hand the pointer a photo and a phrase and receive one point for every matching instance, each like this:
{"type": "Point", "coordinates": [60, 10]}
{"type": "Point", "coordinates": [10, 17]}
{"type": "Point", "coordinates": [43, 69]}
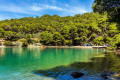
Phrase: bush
{"type": "Point", "coordinates": [30, 41]}
{"type": "Point", "coordinates": [46, 38]}
{"type": "Point", "coordinates": [36, 41]}
{"type": "Point", "coordinates": [68, 42]}
{"type": "Point", "coordinates": [22, 40]}
{"type": "Point", "coordinates": [25, 44]}
{"type": "Point", "coordinates": [12, 36]}
{"type": "Point", "coordinates": [8, 43]}
{"type": "Point", "coordinates": [99, 40]}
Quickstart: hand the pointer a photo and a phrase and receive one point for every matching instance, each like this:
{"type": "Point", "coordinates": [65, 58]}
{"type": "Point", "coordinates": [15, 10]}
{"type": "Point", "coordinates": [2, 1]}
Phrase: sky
{"type": "Point", "coordinates": [10, 9]}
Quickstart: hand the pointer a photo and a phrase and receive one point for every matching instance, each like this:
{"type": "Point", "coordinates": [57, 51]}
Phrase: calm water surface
{"type": "Point", "coordinates": [53, 63]}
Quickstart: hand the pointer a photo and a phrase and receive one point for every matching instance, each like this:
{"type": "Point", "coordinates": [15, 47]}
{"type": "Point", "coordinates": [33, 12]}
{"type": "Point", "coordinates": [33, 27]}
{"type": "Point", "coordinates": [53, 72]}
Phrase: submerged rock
{"type": "Point", "coordinates": [77, 74]}
{"type": "Point", "coordinates": [104, 76]}
{"type": "Point", "coordinates": [107, 74]}
{"type": "Point", "coordinates": [116, 77]}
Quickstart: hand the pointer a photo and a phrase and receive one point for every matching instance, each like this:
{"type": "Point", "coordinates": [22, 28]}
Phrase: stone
{"type": "Point", "coordinates": [77, 74]}
{"type": "Point", "coordinates": [107, 74]}
{"type": "Point", "coordinates": [104, 76]}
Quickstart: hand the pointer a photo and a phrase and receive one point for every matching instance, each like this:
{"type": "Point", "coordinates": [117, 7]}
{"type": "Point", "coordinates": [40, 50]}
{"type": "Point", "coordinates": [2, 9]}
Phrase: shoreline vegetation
{"type": "Point", "coordinates": [116, 51]}
{"type": "Point", "coordinates": [75, 46]}
{"type": "Point", "coordinates": [61, 46]}
{"type": "Point", "coordinates": [89, 29]}
{"type": "Point", "coordinates": [98, 28]}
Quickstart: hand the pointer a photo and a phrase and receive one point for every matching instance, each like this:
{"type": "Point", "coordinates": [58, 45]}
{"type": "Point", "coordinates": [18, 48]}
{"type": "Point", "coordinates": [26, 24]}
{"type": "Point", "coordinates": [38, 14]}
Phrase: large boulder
{"type": "Point", "coordinates": [76, 74]}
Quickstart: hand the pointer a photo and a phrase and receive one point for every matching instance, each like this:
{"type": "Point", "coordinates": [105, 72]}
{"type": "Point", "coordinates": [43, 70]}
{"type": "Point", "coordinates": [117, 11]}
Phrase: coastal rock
{"type": "Point", "coordinates": [107, 74]}
{"type": "Point", "coordinates": [77, 74]}
{"type": "Point", "coordinates": [116, 77]}
{"type": "Point", "coordinates": [104, 76]}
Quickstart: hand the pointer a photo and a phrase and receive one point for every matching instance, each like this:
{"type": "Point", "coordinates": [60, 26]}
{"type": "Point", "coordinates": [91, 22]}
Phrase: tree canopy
{"type": "Point", "coordinates": [56, 30]}
{"type": "Point", "coordinates": [110, 6]}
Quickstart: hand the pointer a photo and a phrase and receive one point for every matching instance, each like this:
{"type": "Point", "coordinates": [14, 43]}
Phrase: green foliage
{"type": "Point", "coordinates": [65, 32]}
{"type": "Point", "coordinates": [0, 43]}
{"type": "Point", "coordinates": [13, 36]}
{"type": "Point", "coordinates": [22, 40]}
{"type": "Point", "coordinates": [56, 30]}
{"type": "Point", "coordinates": [92, 37]}
{"type": "Point", "coordinates": [25, 44]}
{"type": "Point", "coordinates": [115, 41]}
{"type": "Point", "coordinates": [68, 42]}
{"type": "Point", "coordinates": [46, 38]}
{"type": "Point", "coordinates": [73, 32]}
{"type": "Point", "coordinates": [112, 29]}
{"type": "Point", "coordinates": [112, 7]}
{"type": "Point", "coordinates": [8, 43]}
{"type": "Point", "coordinates": [2, 32]}
{"type": "Point", "coordinates": [58, 39]}
{"type": "Point", "coordinates": [28, 38]}
{"type": "Point", "coordinates": [99, 40]}
{"type": "Point", "coordinates": [109, 40]}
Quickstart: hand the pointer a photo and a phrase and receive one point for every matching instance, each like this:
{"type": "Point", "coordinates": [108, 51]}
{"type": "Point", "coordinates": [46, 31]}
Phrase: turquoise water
{"type": "Point", "coordinates": [50, 63]}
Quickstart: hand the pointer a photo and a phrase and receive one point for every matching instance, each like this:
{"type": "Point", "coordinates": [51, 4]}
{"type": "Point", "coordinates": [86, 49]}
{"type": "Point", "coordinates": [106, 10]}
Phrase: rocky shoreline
{"type": "Point", "coordinates": [75, 46]}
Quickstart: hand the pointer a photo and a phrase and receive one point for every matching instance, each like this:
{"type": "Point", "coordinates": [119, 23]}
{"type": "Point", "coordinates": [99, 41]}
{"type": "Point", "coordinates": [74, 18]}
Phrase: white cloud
{"type": "Point", "coordinates": [17, 9]}
{"type": "Point", "coordinates": [67, 8]}
{"type": "Point", "coordinates": [77, 10]}
{"type": "Point", "coordinates": [38, 9]}
{"type": "Point", "coordinates": [45, 7]}
{"type": "Point", "coordinates": [11, 8]}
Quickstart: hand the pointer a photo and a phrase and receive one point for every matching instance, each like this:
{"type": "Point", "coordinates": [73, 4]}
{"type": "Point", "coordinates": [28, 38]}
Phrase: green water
{"type": "Point", "coordinates": [52, 63]}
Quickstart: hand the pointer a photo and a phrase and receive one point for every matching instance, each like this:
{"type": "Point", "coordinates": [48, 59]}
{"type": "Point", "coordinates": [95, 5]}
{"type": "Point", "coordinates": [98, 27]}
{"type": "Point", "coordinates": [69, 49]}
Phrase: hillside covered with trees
{"type": "Point", "coordinates": [95, 27]}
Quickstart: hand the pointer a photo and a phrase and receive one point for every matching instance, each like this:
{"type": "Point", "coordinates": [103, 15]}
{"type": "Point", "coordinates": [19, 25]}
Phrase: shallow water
{"type": "Point", "coordinates": [54, 63]}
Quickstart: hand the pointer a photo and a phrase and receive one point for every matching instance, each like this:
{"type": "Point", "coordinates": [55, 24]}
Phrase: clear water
{"type": "Point", "coordinates": [52, 63]}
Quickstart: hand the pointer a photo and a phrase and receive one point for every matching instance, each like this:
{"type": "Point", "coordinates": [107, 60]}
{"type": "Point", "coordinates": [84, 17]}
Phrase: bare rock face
{"type": "Point", "coordinates": [76, 74]}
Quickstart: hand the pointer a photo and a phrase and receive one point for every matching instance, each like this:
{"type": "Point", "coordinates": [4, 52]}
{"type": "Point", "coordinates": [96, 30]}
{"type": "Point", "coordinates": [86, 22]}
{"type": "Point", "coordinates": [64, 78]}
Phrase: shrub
{"type": "Point", "coordinates": [25, 44]}
{"type": "Point", "coordinates": [8, 43]}
{"type": "Point", "coordinates": [22, 40]}
{"type": "Point", "coordinates": [30, 41]}
{"type": "Point", "coordinates": [36, 41]}
{"type": "Point", "coordinates": [99, 40]}
{"type": "Point", "coordinates": [12, 36]}
{"type": "Point", "coordinates": [68, 42]}
{"type": "Point", "coordinates": [46, 38]}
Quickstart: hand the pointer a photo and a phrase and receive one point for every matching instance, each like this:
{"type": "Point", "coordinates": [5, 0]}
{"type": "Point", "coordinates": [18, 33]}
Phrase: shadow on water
{"type": "Point", "coordinates": [92, 70]}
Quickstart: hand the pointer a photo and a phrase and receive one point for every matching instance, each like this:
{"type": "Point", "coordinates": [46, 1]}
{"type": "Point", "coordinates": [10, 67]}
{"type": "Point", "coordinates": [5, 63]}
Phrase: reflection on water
{"type": "Point", "coordinates": [25, 63]}
{"type": "Point", "coordinates": [2, 52]}
{"type": "Point", "coordinates": [92, 69]}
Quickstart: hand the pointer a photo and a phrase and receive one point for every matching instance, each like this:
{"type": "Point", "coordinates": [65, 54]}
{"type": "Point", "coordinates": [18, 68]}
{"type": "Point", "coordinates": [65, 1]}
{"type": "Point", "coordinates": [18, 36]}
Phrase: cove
{"type": "Point", "coordinates": [54, 63]}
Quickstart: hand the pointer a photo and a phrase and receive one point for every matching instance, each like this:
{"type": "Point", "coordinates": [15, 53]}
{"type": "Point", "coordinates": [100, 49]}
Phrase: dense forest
{"type": "Point", "coordinates": [99, 27]}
